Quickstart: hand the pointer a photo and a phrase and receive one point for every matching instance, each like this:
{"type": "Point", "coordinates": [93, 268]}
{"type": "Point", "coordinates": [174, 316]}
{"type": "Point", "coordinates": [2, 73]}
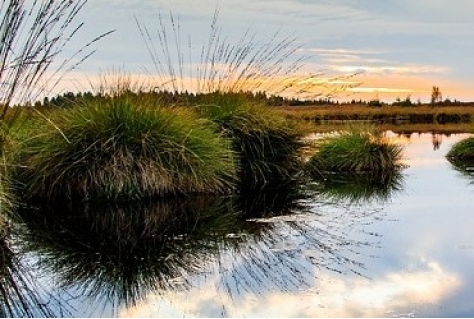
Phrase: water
{"type": "Point", "coordinates": [405, 250]}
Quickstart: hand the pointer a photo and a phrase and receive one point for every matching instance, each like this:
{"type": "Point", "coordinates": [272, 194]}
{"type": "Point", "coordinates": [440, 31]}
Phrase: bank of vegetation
{"type": "Point", "coordinates": [320, 114]}
{"type": "Point", "coordinates": [131, 147]}
{"type": "Point", "coordinates": [418, 114]}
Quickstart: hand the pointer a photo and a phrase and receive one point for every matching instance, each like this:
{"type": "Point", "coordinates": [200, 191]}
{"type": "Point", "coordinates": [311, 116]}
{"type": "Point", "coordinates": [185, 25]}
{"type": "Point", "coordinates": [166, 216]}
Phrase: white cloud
{"type": "Point", "coordinates": [389, 69]}
{"type": "Point", "coordinates": [341, 51]}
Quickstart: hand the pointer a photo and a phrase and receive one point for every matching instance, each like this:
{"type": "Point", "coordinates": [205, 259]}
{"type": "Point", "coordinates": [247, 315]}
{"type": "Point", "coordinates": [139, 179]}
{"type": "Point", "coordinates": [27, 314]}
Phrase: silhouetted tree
{"type": "Point", "coordinates": [436, 95]}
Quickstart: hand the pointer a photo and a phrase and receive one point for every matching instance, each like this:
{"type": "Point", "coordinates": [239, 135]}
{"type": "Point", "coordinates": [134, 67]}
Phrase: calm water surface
{"type": "Point", "coordinates": [405, 251]}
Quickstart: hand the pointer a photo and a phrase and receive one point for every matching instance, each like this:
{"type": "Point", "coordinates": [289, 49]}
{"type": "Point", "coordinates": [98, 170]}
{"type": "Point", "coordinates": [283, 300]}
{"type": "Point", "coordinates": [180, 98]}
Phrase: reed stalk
{"type": "Point", "coordinates": [33, 34]}
{"type": "Point", "coordinates": [274, 64]}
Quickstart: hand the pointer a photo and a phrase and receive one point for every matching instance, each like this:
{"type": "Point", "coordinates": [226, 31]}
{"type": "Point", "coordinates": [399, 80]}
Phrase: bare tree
{"type": "Point", "coordinates": [436, 95]}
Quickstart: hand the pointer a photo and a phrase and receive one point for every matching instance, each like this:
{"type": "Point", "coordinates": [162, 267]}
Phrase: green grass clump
{"type": "Point", "coordinates": [461, 154]}
{"type": "Point", "coordinates": [356, 151]}
{"type": "Point", "coordinates": [267, 147]}
{"type": "Point", "coordinates": [4, 203]}
{"type": "Point", "coordinates": [123, 149]}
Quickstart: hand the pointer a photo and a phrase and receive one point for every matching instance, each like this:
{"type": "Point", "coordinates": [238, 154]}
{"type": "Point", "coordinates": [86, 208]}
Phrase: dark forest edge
{"type": "Point", "coordinates": [315, 111]}
{"type": "Point", "coordinates": [189, 98]}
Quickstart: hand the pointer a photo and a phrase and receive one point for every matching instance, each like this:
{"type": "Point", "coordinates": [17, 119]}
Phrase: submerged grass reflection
{"type": "Point", "coordinates": [287, 199]}
{"type": "Point", "coordinates": [293, 250]}
{"type": "Point", "coordinates": [111, 257]}
{"type": "Point", "coordinates": [359, 189]}
{"type": "Point", "coordinates": [120, 253]}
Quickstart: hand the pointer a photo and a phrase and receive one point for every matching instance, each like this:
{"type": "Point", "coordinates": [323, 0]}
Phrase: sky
{"type": "Point", "coordinates": [378, 49]}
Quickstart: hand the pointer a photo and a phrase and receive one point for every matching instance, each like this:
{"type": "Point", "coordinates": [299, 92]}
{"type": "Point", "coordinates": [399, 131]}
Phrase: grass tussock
{"type": "Point", "coordinates": [7, 200]}
{"type": "Point", "coordinates": [123, 149]}
{"type": "Point", "coordinates": [4, 205]}
{"type": "Point", "coordinates": [356, 151]}
{"type": "Point", "coordinates": [266, 145]}
{"type": "Point", "coordinates": [461, 154]}
{"type": "Point", "coordinates": [33, 34]}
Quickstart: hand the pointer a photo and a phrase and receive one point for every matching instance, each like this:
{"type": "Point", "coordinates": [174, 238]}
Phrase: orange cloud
{"type": "Point", "coordinates": [373, 83]}
{"type": "Point", "coordinates": [388, 87]}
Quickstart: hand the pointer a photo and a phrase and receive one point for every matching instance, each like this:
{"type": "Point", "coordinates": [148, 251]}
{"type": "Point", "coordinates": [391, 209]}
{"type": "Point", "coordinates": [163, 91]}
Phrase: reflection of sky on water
{"type": "Point", "coordinates": [416, 254]}
{"type": "Point", "coordinates": [332, 296]}
{"type": "Point", "coordinates": [434, 217]}
{"type": "Point", "coordinates": [408, 255]}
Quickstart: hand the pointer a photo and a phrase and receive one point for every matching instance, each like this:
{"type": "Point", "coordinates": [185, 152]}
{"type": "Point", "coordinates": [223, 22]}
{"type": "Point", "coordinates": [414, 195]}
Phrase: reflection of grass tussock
{"type": "Point", "coordinates": [124, 149]}
{"type": "Point", "coordinates": [120, 253]}
{"type": "Point", "coordinates": [356, 151]}
{"type": "Point", "coordinates": [461, 154]}
{"type": "Point", "coordinates": [357, 189]}
{"type": "Point", "coordinates": [269, 202]}
{"type": "Point", "coordinates": [115, 256]}
{"type": "Point", "coordinates": [267, 146]}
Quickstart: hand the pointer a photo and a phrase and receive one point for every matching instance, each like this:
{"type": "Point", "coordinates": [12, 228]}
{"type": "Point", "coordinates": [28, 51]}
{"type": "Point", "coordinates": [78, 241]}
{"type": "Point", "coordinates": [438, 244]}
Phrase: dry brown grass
{"type": "Point", "coordinates": [349, 111]}
{"type": "Point", "coordinates": [421, 119]}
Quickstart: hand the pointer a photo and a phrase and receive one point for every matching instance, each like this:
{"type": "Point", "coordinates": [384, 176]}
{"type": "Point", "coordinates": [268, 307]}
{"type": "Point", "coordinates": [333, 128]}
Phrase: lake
{"type": "Point", "coordinates": [404, 250]}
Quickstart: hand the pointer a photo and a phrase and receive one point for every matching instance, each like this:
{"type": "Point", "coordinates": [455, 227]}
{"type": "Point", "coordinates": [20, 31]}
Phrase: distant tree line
{"type": "Point", "coordinates": [186, 98]}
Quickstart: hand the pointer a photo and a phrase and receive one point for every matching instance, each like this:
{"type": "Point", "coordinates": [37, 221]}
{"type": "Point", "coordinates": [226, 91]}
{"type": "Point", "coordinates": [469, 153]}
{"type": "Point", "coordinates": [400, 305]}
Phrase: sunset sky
{"type": "Point", "coordinates": [397, 48]}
